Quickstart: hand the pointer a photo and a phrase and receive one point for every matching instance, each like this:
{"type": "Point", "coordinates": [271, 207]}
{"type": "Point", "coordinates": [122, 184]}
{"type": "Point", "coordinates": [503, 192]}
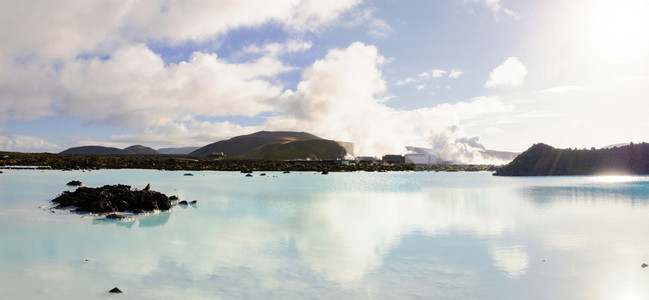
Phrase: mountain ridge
{"type": "Point", "coordinates": [102, 150]}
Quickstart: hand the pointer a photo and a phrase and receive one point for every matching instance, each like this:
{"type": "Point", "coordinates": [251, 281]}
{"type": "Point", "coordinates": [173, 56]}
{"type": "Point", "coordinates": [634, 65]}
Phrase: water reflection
{"type": "Point", "coordinates": [630, 191]}
{"type": "Point", "coordinates": [512, 260]}
{"type": "Point", "coordinates": [277, 239]}
{"type": "Point", "coordinates": [155, 219]}
{"type": "Point", "coordinates": [143, 220]}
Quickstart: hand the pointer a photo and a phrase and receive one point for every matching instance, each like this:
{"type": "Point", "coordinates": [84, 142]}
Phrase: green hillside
{"type": "Point", "coordinates": [311, 149]}
{"type": "Point", "coordinates": [280, 145]}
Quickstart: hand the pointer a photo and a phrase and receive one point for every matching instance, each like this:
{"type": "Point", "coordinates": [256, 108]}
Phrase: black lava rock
{"type": "Point", "coordinates": [74, 183]}
{"type": "Point", "coordinates": [173, 197]}
{"type": "Point", "coordinates": [112, 198]}
{"type": "Point", "coordinates": [189, 174]}
{"type": "Point", "coordinates": [115, 290]}
{"type": "Point", "coordinates": [183, 202]}
{"type": "Point", "coordinates": [194, 202]}
{"type": "Point", "coordinates": [115, 216]}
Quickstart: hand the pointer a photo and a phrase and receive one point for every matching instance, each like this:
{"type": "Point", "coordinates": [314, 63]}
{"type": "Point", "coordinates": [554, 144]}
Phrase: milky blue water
{"type": "Point", "coordinates": [337, 236]}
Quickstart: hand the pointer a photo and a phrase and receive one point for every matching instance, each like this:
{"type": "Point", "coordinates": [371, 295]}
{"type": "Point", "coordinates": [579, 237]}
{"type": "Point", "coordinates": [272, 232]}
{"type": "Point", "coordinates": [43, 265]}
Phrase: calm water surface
{"type": "Point", "coordinates": [343, 235]}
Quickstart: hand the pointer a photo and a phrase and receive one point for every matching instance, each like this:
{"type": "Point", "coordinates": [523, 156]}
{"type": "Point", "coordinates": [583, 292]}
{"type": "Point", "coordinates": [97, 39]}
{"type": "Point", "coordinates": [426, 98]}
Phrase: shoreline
{"type": "Point", "coordinates": [18, 160]}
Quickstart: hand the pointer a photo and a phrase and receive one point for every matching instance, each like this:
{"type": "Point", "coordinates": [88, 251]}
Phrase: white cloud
{"type": "Point", "coordinates": [277, 49]}
{"type": "Point", "coordinates": [74, 38]}
{"type": "Point", "coordinates": [310, 14]}
{"type": "Point", "coordinates": [134, 88]}
{"type": "Point", "coordinates": [510, 74]}
{"type": "Point", "coordinates": [65, 28]}
{"type": "Point", "coordinates": [406, 81]}
{"type": "Point", "coordinates": [377, 28]}
{"type": "Point", "coordinates": [437, 73]}
{"type": "Point", "coordinates": [496, 8]}
{"type": "Point", "coordinates": [424, 75]}
{"type": "Point", "coordinates": [23, 143]}
{"type": "Point", "coordinates": [455, 74]}
{"type": "Point", "coordinates": [178, 134]}
{"type": "Point", "coordinates": [380, 28]}
{"type": "Point", "coordinates": [27, 91]}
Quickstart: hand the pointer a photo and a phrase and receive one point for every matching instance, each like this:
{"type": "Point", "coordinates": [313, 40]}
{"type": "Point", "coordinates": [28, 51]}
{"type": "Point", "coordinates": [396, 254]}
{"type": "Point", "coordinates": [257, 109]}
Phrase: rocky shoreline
{"type": "Point", "coordinates": [186, 163]}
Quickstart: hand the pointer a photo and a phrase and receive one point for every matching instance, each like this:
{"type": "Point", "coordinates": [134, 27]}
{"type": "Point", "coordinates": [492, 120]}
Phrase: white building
{"type": "Point", "coordinates": [420, 156]}
{"type": "Point", "coordinates": [421, 159]}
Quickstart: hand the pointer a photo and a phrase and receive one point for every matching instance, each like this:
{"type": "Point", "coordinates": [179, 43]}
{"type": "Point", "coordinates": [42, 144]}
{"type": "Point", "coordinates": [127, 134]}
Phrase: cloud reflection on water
{"type": "Point", "coordinates": [438, 242]}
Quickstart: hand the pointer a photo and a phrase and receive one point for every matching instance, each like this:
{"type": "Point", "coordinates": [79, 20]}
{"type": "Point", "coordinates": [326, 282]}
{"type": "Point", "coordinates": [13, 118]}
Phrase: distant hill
{"type": "Point", "coordinates": [278, 145]}
{"type": "Point", "coordinates": [183, 150]}
{"type": "Point", "coordinates": [139, 149]}
{"type": "Point", "coordinates": [101, 150]}
{"type": "Point", "coordinates": [541, 159]}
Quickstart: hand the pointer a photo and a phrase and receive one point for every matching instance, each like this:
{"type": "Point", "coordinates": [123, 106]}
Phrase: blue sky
{"type": "Point", "coordinates": [456, 76]}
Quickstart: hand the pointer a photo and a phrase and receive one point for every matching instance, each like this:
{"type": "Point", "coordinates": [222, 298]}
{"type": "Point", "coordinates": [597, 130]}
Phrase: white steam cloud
{"type": "Point", "coordinates": [342, 97]}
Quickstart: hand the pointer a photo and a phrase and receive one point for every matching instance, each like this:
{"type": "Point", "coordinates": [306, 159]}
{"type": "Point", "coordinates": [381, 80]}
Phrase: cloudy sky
{"type": "Point", "coordinates": [453, 75]}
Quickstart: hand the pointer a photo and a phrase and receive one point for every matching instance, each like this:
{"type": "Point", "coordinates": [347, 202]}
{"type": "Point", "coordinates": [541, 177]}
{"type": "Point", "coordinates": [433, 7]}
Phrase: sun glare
{"type": "Point", "coordinates": [614, 178]}
{"type": "Point", "coordinates": [617, 30]}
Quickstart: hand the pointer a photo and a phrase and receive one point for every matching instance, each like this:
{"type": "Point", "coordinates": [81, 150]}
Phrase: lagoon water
{"type": "Point", "coordinates": [410, 235]}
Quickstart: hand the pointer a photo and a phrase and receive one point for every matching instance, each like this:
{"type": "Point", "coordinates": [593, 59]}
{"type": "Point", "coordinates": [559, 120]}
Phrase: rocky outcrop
{"type": "Point", "coordinates": [113, 198]}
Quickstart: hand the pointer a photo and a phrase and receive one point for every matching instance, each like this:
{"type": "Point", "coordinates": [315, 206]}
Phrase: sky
{"type": "Point", "coordinates": [455, 76]}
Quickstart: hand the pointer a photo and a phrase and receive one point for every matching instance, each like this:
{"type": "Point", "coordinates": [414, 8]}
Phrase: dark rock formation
{"type": "Point", "coordinates": [183, 202]}
{"type": "Point", "coordinates": [189, 174]}
{"type": "Point", "coordinates": [115, 290]}
{"type": "Point", "coordinates": [173, 197]}
{"type": "Point", "coordinates": [115, 216]}
{"type": "Point", "coordinates": [112, 198]}
{"type": "Point", "coordinates": [74, 183]}
{"type": "Point", "coordinates": [248, 175]}
{"type": "Point", "coordinates": [193, 202]}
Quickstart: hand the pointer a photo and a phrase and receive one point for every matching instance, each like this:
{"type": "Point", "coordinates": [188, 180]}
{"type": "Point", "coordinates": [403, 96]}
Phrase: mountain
{"type": "Point", "coordinates": [541, 160]}
{"type": "Point", "coordinates": [139, 149]}
{"type": "Point", "coordinates": [95, 150]}
{"type": "Point", "coordinates": [183, 150]}
{"type": "Point", "coordinates": [101, 150]}
{"type": "Point", "coordinates": [277, 145]}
